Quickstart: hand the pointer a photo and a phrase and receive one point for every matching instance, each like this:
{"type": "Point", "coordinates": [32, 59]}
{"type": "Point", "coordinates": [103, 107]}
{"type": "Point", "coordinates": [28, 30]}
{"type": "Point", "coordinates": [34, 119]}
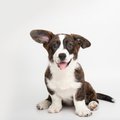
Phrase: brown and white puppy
{"type": "Point", "coordinates": [64, 76]}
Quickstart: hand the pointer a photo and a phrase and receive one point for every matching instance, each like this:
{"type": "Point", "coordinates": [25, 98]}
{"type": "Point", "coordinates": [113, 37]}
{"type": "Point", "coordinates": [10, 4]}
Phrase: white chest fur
{"type": "Point", "coordinates": [63, 81]}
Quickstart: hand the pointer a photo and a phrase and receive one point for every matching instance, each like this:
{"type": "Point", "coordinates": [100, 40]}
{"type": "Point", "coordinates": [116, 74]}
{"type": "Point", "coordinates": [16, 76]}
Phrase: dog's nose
{"type": "Point", "coordinates": [62, 56]}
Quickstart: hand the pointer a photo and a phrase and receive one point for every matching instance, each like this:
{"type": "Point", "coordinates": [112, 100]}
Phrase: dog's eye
{"type": "Point", "coordinates": [55, 46]}
{"type": "Point", "coordinates": [70, 45]}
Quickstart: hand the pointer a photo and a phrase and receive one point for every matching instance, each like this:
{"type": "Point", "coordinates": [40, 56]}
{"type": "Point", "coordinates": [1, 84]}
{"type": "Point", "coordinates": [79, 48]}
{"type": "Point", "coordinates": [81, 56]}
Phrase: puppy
{"type": "Point", "coordinates": [64, 76]}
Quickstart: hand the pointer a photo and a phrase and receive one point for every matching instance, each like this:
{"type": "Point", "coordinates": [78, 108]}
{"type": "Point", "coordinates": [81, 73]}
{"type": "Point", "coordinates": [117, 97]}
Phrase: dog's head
{"type": "Point", "coordinates": [62, 48]}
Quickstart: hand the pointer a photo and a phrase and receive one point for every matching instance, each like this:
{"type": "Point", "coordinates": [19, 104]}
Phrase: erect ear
{"type": "Point", "coordinates": [41, 36]}
{"type": "Point", "coordinates": [84, 43]}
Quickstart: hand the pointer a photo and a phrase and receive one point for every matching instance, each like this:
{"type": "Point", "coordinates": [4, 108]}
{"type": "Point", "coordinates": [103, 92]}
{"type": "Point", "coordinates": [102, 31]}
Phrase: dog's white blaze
{"type": "Point", "coordinates": [61, 37]}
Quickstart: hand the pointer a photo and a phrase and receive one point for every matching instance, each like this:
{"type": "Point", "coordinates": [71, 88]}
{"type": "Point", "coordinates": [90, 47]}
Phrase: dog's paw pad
{"type": "Point", "coordinates": [43, 105]}
{"type": "Point", "coordinates": [54, 109]}
{"type": "Point", "coordinates": [93, 105]}
{"type": "Point", "coordinates": [84, 113]}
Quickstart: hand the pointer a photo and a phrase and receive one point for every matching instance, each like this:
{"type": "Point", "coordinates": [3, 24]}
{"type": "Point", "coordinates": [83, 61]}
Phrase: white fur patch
{"type": "Point", "coordinates": [56, 105]}
{"type": "Point", "coordinates": [93, 105]}
{"type": "Point", "coordinates": [81, 108]}
{"type": "Point", "coordinates": [61, 37]}
{"type": "Point", "coordinates": [63, 81]}
{"type": "Point", "coordinates": [43, 105]}
{"type": "Point", "coordinates": [113, 100]}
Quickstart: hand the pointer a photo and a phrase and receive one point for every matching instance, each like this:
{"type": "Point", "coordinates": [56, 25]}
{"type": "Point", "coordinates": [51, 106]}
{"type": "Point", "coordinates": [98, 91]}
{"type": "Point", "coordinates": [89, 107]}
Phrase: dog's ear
{"type": "Point", "coordinates": [41, 36]}
{"type": "Point", "coordinates": [84, 43]}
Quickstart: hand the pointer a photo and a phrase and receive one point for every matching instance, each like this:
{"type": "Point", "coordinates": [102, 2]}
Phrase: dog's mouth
{"type": "Point", "coordinates": [62, 65]}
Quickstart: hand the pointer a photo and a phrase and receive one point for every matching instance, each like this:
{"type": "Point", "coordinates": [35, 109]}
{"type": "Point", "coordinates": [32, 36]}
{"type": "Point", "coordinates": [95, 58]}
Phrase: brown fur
{"type": "Point", "coordinates": [48, 75]}
{"type": "Point", "coordinates": [79, 74]}
{"type": "Point", "coordinates": [86, 91]}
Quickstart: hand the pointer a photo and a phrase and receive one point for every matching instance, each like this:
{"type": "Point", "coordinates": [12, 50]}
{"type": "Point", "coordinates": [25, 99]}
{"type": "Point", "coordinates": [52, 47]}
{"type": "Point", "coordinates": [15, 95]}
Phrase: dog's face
{"type": "Point", "coordinates": [62, 48]}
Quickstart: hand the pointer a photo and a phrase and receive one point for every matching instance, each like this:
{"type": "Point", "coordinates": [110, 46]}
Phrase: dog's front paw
{"type": "Point", "coordinates": [43, 105]}
{"type": "Point", "coordinates": [84, 112]}
{"type": "Point", "coordinates": [93, 105]}
{"type": "Point", "coordinates": [54, 108]}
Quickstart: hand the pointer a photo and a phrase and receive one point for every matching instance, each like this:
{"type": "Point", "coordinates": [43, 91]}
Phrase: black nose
{"type": "Point", "coordinates": [62, 56]}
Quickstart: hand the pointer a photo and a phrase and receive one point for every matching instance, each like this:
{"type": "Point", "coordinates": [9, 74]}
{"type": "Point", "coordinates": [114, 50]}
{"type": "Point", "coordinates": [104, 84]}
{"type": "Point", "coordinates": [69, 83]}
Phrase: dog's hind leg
{"type": "Point", "coordinates": [91, 97]}
{"type": "Point", "coordinates": [44, 104]}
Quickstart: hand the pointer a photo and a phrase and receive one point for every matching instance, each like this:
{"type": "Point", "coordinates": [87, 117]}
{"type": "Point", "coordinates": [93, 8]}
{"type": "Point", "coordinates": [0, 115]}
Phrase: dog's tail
{"type": "Point", "coordinates": [105, 97]}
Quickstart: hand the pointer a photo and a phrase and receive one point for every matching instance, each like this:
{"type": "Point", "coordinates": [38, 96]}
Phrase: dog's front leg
{"type": "Point", "coordinates": [79, 102]}
{"type": "Point", "coordinates": [81, 108]}
{"type": "Point", "coordinates": [56, 105]}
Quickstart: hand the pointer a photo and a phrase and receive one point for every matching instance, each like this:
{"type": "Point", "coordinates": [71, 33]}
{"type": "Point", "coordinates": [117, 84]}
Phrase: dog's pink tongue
{"type": "Point", "coordinates": [63, 65]}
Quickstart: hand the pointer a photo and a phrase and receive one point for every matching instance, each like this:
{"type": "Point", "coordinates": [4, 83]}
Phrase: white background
{"type": "Point", "coordinates": [23, 62]}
